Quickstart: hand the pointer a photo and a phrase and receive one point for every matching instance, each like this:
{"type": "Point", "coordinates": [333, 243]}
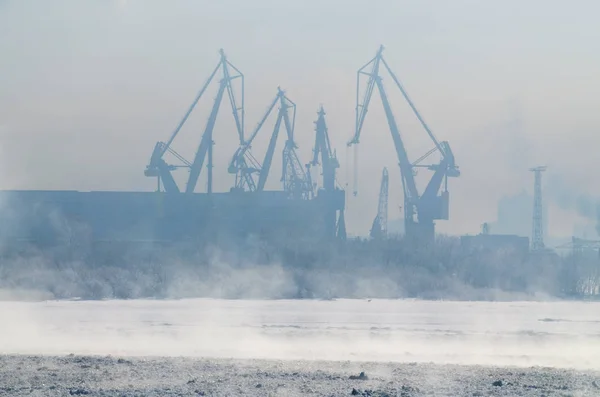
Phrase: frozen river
{"type": "Point", "coordinates": [560, 334]}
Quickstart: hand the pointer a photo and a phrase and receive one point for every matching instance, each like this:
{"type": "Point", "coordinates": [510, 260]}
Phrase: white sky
{"type": "Point", "coordinates": [88, 87]}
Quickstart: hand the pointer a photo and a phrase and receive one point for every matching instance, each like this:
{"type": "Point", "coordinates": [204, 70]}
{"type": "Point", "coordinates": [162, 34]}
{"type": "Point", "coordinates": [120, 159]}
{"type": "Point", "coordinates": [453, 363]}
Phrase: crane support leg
{"type": "Point", "coordinates": [166, 178]}
{"type": "Point", "coordinates": [262, 179]}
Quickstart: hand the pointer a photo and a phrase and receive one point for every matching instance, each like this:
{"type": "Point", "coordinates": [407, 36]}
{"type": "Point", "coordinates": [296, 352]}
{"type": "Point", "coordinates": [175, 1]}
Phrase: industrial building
{"type": "Point", "coordinates": [158, 216]}
{"type": "Point", "coordinates": [495, 243]}
{"type": "Point", "coordinates": [514, 242]}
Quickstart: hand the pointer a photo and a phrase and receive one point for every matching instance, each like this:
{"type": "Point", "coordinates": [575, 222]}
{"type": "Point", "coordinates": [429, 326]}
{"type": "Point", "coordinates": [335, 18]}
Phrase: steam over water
{"type": "Point", "coordinates": [561, 334]}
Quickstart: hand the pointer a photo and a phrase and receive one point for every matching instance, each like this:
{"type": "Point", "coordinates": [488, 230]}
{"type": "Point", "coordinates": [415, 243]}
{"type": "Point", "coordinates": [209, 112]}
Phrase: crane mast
{"type": "Point", "coordinates": [323, 155]}
{"type": "Point", "coordinates": [295, 178]}
{"type": "Point", "coordinates": [322, 149]}
{"type": "Point", "coordinates": [159, 168]}
{"type": "Point", "coordinates": [379, 228]}
{"type": "Point", "coordinates": [420, 211]}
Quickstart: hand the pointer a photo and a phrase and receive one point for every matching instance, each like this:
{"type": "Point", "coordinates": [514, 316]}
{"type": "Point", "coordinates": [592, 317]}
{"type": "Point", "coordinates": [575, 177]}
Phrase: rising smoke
{"type": "Point", "coordinates": [559, 190]}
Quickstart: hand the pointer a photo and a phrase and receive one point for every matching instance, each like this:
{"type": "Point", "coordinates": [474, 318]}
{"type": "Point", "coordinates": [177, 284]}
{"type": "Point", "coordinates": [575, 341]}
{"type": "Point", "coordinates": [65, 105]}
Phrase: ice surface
{"type": "Point", "coordinates": [557, 334]}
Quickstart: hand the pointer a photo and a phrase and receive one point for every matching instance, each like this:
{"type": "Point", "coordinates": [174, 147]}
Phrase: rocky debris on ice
{"type": "Point", "coordinates": [153, 377]}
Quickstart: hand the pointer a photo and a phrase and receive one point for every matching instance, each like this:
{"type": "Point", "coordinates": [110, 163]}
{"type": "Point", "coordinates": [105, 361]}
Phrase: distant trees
{"type": "Point", "coordinates": [253, 268]}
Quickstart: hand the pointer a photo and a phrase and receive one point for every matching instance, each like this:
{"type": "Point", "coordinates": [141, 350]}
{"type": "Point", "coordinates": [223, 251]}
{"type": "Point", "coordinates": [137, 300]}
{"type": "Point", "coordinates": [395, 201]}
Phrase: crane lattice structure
{"type": "Point", "coordinates": [159, 168]}
{"type": "Point", "coordinates": [537, 232]}
{"type": "Point", "coordinates": [295, 178]}
{"type": "Point", "coordinates": [379, 228]}
{"type": "Point", "coordinates": [327, 158]}
{"type": "Point", "coordinates": [420, 210]}
{"type": "Point", "coordinates": [323, 150]}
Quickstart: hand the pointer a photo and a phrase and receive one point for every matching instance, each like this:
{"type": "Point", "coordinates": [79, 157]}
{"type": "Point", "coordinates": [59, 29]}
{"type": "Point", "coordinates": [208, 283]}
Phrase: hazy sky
{"type": "Point", "coordinates": [88, 87]}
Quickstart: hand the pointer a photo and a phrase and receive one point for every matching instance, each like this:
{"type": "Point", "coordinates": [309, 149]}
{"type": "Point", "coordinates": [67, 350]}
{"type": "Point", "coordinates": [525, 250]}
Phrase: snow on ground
{"type": "Point", "coordinates": [157, 377]}
{"type": "Point", "coordinates": [311, 346]}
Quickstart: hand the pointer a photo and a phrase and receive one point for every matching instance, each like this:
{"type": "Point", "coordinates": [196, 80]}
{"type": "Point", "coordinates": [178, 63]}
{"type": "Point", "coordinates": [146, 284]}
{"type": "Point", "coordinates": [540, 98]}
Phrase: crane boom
{"type": "Point", "coordinates": [205, 144]}
{"type": "Point", "coordinates": [238, 111]}
{"type": "Point", "coordinates": [412, 105]}
{"type": "Point", "coordinates": [264, 172]}
{"type": "Point", "coordinates": [190, 109]}
{"type": "Point", "coordinates": [408, 179]}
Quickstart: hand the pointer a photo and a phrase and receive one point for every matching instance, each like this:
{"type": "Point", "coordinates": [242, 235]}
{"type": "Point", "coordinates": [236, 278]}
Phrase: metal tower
{"type": "Point", "coordinates": [324, 156]}
{"type": "Point", "coordinates": [537, 233]}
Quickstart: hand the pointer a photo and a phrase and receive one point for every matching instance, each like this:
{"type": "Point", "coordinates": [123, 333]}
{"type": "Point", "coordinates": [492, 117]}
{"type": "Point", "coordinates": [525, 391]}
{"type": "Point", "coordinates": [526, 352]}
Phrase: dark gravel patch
{"type": "Point", "coordinates": [149, 377]}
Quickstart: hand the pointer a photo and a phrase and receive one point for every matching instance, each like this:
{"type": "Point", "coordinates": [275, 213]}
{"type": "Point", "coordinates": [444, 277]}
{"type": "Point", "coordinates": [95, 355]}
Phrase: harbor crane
{"type": "Point", "coordinates": [295, 178]}
{"type": "Point", "coordinates": [326, 157]}
{"type": "Point", "coordinates": [160, 169]}
{"type": "Point", "coordinates": [379, 228]}
{"type": "Point", "coordinates": [322, 149]}
{"type": "Point", "coordinates": [420, 210]}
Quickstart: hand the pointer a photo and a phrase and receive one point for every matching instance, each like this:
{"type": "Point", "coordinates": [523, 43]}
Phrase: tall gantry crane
{"type": "Point", "coordinates": [296, 180]}
{"type": "Point", "coordinates": [327, 158]}
{"type": "Point", "coordinates": [160, 169]}
{"type": "Point", "coordinates": [379, 228]}
{"type": "Point", "coordinates": [420, 210]}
